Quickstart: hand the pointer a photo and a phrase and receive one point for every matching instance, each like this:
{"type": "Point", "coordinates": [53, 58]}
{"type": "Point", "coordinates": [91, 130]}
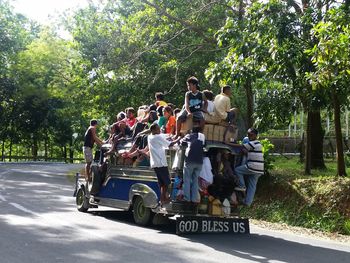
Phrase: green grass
{"type": "Point", "coordinates": [320, 201]}
{"type": "Point", "coordinates": [291, 167]}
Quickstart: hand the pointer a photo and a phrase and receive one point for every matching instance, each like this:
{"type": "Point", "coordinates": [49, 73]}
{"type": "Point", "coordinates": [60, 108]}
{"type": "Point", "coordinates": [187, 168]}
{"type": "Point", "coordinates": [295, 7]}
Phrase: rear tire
{"type": "Point", "coordinates": [82, 201]}
{"type": "Point", "coordinates": [142, 215]}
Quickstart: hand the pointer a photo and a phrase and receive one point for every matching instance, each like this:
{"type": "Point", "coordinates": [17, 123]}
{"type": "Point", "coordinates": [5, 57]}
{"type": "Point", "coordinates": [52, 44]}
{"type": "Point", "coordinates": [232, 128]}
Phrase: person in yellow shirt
{"type": "Point", "coordinates": [159, 96]}
{"type": "Point", "coordinates": [222, 108]}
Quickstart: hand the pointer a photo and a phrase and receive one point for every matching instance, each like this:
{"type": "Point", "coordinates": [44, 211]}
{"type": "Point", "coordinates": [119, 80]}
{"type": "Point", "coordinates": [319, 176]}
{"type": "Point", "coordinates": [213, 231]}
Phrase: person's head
{"type": "Point", "coordinates": [171, 105]}
{"type": "Point", "coordinates": [167, 112]}
{"type": "Point", "coordinates": [208, 94]}
{"type": "Point", "coordinates": [225, 155]}
{"type": "Point", "coordinates": [93, 122]}
{"type": "Point", "coordinates": [152, 116]}
{"type": "Point", "coordinates": [121, 116]}
{"type": "Point", "coordinates": [141, 111]}
{"type": "Point", "coordinates": [152, 107]}
{"type": "Point", "coordinates": [155, 129]}
{"type": "Point", "coordinates": [130, 113]}
{"type": "Point", "coordinates": [252, 134]}
{"type": "Point", "coordinates": [196, 127]}
{"type": "Point", "coordinates": [176, 111]}
{"type": "Point", "coordinates": [192, 84]}
{"type": "Point", "coordinates": [226, 90]}
{"type": "Point", "coordinates": [160, 111]}
{"type": "Point", "coordinates": [159, 96]}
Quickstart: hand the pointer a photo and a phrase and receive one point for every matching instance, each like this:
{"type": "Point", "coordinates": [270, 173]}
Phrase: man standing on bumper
{"type": "Point", "coordinates": [252, 169]}
{"type": "Point", "coordinates": [89, 139]}
{"type": "Point", "coordinates": [157, 143]}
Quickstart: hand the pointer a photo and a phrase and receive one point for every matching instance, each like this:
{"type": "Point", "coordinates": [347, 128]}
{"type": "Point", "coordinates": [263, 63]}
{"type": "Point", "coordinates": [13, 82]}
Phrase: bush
{"type": "Point", "coordinates": [268, 158]}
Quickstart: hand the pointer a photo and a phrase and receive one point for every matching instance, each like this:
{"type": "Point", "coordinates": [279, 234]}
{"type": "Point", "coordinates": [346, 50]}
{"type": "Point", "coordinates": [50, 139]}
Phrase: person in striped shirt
{"type": "Point", "coordinates": [249, 172]}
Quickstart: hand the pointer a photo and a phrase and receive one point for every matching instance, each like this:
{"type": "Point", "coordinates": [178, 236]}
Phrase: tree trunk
{"type": "Point", "coordinates": [341, 171]}
{"type": "Point", "coordinates": [317, 136]}
{"type": "Point", "coordinates": [35, 148]}
{"type": "Point", "coordinates": [10, 155]}
{"type": "Point", "coordinates": [46, 146]}
{"type": "Point", "coordinates": [71, 151]}
{"type": "Point", "coordinates": [250, 103]}
{"type": "Point", "coordinates": [301, 148]}
{"type": "Point", "coordinates": [307, 167]}
{"type": "Point", "coordinates": [65, 153]}
{"type": "Point", "coordinates": [247, 84]}
{"type": "Point", "coordinates": [3, 150]}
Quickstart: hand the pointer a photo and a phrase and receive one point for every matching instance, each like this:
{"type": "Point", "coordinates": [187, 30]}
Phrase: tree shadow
{"type": "Point", "coordinates": [253, 247]}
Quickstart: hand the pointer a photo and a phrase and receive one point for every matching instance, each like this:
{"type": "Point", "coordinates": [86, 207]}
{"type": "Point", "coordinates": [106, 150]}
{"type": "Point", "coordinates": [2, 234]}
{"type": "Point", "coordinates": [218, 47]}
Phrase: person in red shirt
{"type": "Point", "coordinates": [130, 119]}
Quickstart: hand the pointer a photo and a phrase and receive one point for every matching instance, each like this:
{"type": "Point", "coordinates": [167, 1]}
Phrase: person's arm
{"type": "Point", "coordinates": [187, 103]}
{"type": "Point", "coordinates": [144, 151]}
{"type": "Point", "coordinates": [173, 128]}
{"type": "Point", "coordinates": [174, 142]}
{"type": "Point", "coordinates": [205, 104]}
{"type": "Point", "coordinates": [239, 146]}
{"type": "Point", "coordinates": [96, 139]}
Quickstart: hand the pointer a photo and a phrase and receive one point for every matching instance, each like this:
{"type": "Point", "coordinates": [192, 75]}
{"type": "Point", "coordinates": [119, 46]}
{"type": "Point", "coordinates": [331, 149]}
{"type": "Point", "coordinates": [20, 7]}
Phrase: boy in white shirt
{"type": "Point", "coordinates": [157, 143]}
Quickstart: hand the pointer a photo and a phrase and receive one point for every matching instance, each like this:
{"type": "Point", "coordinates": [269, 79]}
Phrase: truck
{"type": "Point", "coordinates": [129, 186]}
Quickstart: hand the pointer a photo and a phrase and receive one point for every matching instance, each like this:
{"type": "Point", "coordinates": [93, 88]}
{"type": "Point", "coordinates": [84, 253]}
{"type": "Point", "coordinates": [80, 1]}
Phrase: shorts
{"type": "Point", "coordinates": [163, 175]}
{"type": "Point", "coordinates": [197, 115]}
{"type": "Point", "coordinates": [87, 154]}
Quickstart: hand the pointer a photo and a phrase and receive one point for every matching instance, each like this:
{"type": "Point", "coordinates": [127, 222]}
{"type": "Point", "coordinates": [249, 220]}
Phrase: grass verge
{"type": "Point", "coordinates": [320, 201]}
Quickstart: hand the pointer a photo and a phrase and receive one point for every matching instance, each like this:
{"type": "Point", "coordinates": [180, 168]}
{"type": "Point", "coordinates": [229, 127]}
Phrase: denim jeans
{"type": "Point", "coordinates": [249, 177]}
{"type": "Point", "coordinates": [190, 177]}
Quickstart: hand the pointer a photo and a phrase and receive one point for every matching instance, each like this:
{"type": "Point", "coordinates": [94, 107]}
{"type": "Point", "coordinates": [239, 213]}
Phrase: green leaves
{"type": "Point", "coordinates": [331, 56]}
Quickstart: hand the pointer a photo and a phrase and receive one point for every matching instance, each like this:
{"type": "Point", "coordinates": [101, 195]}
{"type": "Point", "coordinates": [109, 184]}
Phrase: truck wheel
{"type": "Point", "coordinates": [81, 201]}
{"type": "Point", "coordinates": [142, 215]}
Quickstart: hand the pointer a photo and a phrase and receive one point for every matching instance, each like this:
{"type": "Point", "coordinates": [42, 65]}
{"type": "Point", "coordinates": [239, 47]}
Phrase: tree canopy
{"type": "Point", "coordinates": [280, 56]}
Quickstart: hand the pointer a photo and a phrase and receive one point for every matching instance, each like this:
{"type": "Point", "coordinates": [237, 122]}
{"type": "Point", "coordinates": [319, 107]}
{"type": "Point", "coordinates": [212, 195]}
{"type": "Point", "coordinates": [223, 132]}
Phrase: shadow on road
{"type": "Point", "coordinates": [50, 229]}
{"type": "Point", "coordinates": [252, 247]}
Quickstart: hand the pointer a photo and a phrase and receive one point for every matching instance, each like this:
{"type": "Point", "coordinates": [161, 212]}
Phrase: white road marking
{"type": "Point", "coordinates": [22, 208]}
{"type": "Point", "coordinates": [2, 198]}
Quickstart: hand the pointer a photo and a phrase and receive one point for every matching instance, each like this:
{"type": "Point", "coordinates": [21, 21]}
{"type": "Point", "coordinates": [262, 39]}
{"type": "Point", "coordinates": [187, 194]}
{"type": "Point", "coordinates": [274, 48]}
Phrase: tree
{"type": "Point", "coordinates": [331, 57]}
{"type": "Point", "coordinates": [44, 73]}
{"type": "Point", "coordinates": [15, 33]}
{"type": "Point", "coordinates": [267, 43]}
{"type": "Point", "coordinates": [140, 47]}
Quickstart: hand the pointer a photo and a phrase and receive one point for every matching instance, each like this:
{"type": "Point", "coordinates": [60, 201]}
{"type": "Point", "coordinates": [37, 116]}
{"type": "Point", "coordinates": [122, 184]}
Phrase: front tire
{"type": "Point", "coordinates": [142, 215]}
{"type": "Point", "coordinates": [82, 201]}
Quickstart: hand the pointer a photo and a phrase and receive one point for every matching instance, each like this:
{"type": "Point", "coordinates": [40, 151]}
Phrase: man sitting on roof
{"type": "Point", "coordinates": [222, 108]}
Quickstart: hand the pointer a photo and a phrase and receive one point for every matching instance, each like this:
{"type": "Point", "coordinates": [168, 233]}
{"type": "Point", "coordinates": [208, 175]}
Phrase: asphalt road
{"type": "Point", "coordinates": [39, 223]}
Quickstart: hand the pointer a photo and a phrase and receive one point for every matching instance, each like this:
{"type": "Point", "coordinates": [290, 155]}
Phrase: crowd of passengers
{"type": "Point", "coordinates": [154, 128]}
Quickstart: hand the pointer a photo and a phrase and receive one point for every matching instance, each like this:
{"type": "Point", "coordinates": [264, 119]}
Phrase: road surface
{"type": "Point", "coordinates": [39, 223]}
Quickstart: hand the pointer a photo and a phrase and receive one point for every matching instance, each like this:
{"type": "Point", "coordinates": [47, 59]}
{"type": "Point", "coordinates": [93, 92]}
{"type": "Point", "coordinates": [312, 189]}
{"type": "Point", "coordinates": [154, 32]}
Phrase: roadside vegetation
{"type": "Point", "coordinates": [282, 58]}
{"type": "Point", "coordinates": [320, 201]}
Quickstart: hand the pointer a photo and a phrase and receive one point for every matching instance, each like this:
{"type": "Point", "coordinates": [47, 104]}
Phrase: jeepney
{"type": "Point", "coordinates": [125, 186]}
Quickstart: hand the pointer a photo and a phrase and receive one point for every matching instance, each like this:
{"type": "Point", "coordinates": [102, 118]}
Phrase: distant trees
{"type": "Point", "coordinates": [276, 54]}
